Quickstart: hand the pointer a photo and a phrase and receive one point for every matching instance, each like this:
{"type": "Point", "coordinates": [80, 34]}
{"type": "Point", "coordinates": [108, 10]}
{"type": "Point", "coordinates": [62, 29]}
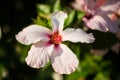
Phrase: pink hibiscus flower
{"type": "Point", "coordinates": [47, 46]}
{"type": "Point", "coordinates": [97, 12]}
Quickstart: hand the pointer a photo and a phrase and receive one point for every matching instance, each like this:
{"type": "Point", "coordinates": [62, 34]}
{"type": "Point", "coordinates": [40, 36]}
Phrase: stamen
{"type": "Point", "coordinates": [56, 38]}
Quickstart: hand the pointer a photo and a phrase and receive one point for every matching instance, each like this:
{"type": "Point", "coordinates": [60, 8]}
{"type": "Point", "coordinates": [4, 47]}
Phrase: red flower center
{"type": "Point", "coordinates": [56, 38]}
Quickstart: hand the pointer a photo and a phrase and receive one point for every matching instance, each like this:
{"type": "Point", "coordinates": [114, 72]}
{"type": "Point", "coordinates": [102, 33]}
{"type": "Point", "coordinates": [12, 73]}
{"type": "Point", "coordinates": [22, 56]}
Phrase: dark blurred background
{"type": "Point", "coordinates": [14, 15]}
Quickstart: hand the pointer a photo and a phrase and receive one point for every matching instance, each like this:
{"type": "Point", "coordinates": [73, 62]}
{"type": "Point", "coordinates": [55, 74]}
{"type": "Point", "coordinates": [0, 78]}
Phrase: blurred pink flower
{"type": "Point", "coordinates": [116, 48]}
{"type": "Point", "coordinates": [116, 19]}
{"type": "Point", "coordinates": [97, 12]}
{"type": "Point", "coordinates": [47, 44]}
{"type": "Point", "coordinates": [99, 52]}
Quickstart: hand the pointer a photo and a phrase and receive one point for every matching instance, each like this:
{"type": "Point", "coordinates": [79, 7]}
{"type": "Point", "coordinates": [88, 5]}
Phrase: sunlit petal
{"type": "Point", "coordinates": [80, 5]}
{"type": "Point", "coordinates": [33, 34]}
{"type": "Point", "coordinates": [64, 61]}
{"type": "Point", "coordinates": [101, 23]}
{"type": "Point", "coordinates": [77, 35]}
{"type": "Point", "coordinates": [76, 6]}
{"type": "Point", "coordinates": [84, 5]}
{"type": "Point", "coordinates": [58, 20]}
{"type": "Point", "coordinates": [38, 56]}
{"type": "Point", "coordinates": [99, 3]}
{"type": "Point", "coordinates": [111, 6]}
{"type": "Point", "coordinates": [90, 6]}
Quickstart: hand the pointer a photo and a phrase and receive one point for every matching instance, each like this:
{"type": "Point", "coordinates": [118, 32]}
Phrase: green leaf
{"type": "Point", "coordinates": [101, 76]}
{"type": "Point", "coordinates": [76, 48]}
{"type": "Point", "coordinates": [46, 66]}
{"type": "Point", "coordinates": [76, 76]}
{"type": "Point", "coordinates": [70, 18]}
{"type": "Point", "coordinates": [97, 58]}
{"type": "Point", "coordinates": [93, 65]}
{"type": "Point", "coordinates": [80, 15]}
{"type": "Point", "coordinates": [22, 51]}
{"type": "Point", "coordinates": [42, 8]}
{"type": "Point", "coordinates": [3, 72]}
{"type": "Point", "coordinates": [39, 21]}
{"type": "Point", "coordinates": [57, 6]}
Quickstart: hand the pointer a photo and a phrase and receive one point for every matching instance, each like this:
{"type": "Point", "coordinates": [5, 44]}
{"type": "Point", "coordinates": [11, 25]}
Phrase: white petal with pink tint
{"type": "Point", "coordinates": [90, 4]}
{"type": "Point", "coordinates": [112, 26]}
{"type": "Point", "coordinates": [38, 56]}
{"type": "Point", "coordinates": [101, 23]}
{"type": "Point", "coordinates": [76, 6]}
{"type": "Point", "coordinates": [80, 5]}
{"type": "Point", "coordinates": [33, 34]}
{"type": "Point", "coordinates": [58, 20]}
{"type": "Point", "coordinates": [111, 6]}
{"type": "Point", "coordinates": [99, 3]}
{"type": "Point", "coordinates": [84, 5]}
{"type": "Point", "coordinates": [77, 35]}
{"type": "Point", "coordinates": [64, 61]}
{"type": "Point", "coordinates": [96, 23]}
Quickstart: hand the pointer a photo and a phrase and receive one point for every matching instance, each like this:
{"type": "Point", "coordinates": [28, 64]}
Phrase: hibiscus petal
{"type": "Point", "coordinates": [80, 5]}
{"type": "Point", "coordinates": [33, 34]}
{"type": "Point", "coordinates": [38, 56]}
{"type": "Point", "coordinates": [101, 23]}
{"type": "Point", "coordinates": [84, 5]}
{"type": "Point", "coordinates": [99, 3]}
{"type": "Point", "coordinates": [58, 20]}
{"type": "Point", "coordinates": [90, 4]}
{"type": "Point", "coordinates": [77, 35]}
{"type": "Point", "coordinates": [77, 6]}
{"type": "Point", "coordinates": [64, 61]}
{"type": "Point", "coordinates": [111, 6]}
